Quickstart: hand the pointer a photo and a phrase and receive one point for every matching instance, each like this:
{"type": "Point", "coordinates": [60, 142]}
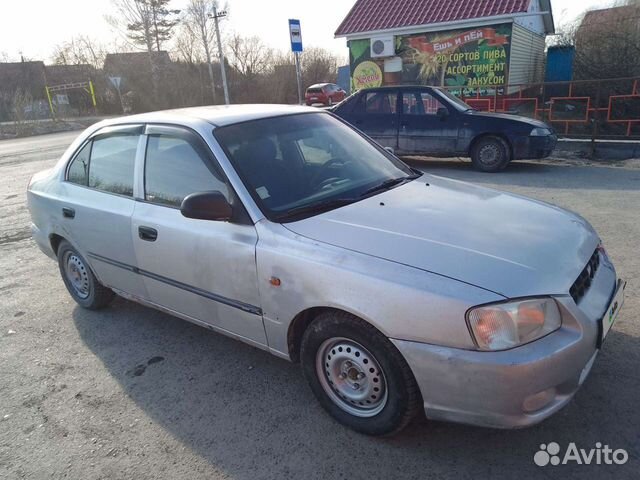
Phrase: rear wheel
{"type": "Point", "coordinates": [80, 280]}
{"type": "Point", "coordinates": [358, 375]}
{"type": "Point", "coordinates": [490, 154]}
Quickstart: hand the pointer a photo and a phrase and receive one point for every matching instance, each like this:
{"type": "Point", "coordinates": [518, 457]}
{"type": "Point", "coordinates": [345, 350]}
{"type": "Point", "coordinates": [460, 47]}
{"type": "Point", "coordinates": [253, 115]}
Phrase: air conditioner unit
{"type": "Point", "coordinates": [383, 46]}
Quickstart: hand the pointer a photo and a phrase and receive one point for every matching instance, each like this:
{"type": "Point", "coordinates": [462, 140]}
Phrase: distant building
{"type": "Point", "coordinates": [602, 22]}
{"type": "Point", "coordinates": [135, 70]}
{"type": "Point", "coordinates": [607, 43]}
{"type": "Point", "coordinates": [134, 63]}
{"type": "Point", "coordinates": [21, 83]}
{"type": "Point", "coordinates": [467, 44]}
{"type": "Point", "coordinates": [64, 74]}
{"type": "Point", "coordinates": [30, 77]}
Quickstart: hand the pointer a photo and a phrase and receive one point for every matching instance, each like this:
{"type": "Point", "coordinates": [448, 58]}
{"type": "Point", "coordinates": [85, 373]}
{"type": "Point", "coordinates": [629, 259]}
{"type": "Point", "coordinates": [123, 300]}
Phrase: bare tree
{"type": "Point", "coordinates": [249, 55]}
{"type": "Point", "coordinates": [80, 50]}
{"type": "Point", "coordinates": [318, 65]}
{"type": "Point", "coordinates": [200, 25]}
{"type": "Point", "coordinates": [146, 23]}
{"type": "Point", "coordinates": [187, 47]}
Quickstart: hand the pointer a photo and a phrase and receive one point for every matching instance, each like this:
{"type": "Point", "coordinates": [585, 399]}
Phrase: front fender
{"type": "Point", "coordinates": [401, 301]}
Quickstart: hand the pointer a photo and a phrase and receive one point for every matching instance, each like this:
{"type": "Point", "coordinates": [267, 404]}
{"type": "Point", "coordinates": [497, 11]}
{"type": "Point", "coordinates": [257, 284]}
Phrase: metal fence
{"type": "Point", "coordinates": [605, 109]}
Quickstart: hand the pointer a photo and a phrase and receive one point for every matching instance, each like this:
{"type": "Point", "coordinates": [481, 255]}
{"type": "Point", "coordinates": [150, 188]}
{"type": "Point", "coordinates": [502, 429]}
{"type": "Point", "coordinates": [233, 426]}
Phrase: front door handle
{"type": "Point", "coordinates": [147, 234]}
{"type": "Point", "coordinates": [68, 212]}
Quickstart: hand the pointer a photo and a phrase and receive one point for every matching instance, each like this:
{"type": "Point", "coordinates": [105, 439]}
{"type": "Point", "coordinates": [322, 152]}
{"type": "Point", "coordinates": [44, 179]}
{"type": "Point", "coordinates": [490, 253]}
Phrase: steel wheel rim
{"type": "Point", "coordinates": [489, 154]}
{"type": "Point", "coordinates": [352, 377]}
{"type": "Point", "coordinates": [77, 275]}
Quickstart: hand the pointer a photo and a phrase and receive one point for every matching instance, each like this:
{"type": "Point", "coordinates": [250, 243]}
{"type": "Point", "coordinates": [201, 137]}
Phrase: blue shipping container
{"type": "Point", "coordinates": [559, 64]}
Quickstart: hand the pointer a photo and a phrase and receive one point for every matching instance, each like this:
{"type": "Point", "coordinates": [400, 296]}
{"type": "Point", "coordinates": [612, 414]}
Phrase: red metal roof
{"type": "Point", "coordinates": [368, 15]}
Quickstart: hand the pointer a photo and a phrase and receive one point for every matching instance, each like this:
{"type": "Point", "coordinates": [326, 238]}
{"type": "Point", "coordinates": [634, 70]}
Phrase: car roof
{"type": "Point", "coordinates": [401, 87]}
{"type": "Point", "coordinates": [216, 115]}
{"type": "Point", "coordinates": [319, 85]}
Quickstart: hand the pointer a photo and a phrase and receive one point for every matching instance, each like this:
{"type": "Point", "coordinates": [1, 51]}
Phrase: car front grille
{"type": "Point", "coordinates": [583, 282]}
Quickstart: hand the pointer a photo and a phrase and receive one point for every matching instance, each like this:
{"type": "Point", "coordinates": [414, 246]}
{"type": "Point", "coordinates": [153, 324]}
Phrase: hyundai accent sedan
{"type": "Point", "coordinates": [400, 293]}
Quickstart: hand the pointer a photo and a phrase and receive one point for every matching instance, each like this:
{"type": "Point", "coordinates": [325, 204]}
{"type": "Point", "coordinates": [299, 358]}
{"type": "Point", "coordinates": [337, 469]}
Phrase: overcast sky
{"type": "Point", "coordinates": [34, 27]}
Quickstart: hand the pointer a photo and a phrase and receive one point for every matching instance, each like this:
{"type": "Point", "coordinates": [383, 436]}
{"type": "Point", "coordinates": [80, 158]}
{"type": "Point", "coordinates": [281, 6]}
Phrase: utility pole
{"type": "Point", "coordinates": [207, 50]}
{"type": "Point", "coordinates": [216, 15]}
{"type": "Point", "coordinates": [298, 76]}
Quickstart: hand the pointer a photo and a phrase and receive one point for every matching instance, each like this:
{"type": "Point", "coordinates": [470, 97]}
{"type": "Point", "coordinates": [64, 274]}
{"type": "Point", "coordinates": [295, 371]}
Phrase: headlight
{"type": "Point", "coordinates": [540, 132]}
{"type": "Point", "coordinates": [506, 325]}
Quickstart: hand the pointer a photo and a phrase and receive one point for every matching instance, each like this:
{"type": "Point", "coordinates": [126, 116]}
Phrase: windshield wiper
{"type": "Point", "coordinates": [387, 184]}
{"type": "Point", "coordinates": [316, 208]}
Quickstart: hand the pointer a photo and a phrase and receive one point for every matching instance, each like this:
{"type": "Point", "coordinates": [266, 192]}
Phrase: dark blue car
{"type": "Point", "coordinates": [418, 120]}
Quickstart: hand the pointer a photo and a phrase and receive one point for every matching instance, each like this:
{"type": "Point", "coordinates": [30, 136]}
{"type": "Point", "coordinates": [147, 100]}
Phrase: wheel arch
{"type": "Point", "coordinates": [55, 240]}
{"type": "Point", "coordinates": [501, 136]}
{"type": "Point", "coordinates": [303, 319]}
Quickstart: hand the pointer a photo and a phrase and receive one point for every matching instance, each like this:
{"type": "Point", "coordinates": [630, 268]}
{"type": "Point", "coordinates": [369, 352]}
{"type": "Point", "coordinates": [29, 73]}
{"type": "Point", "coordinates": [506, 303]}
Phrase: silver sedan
{"type": "Point", "coordinates": [400, 293]}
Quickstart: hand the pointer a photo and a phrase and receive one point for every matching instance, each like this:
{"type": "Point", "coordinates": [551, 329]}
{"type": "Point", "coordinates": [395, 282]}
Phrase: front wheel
{"type": "Point", "coordinates": [490, 154]}
{"type": "Point", "coordinates": [80, 280]}
{"type": "Point", "coordinates": [358, 375]}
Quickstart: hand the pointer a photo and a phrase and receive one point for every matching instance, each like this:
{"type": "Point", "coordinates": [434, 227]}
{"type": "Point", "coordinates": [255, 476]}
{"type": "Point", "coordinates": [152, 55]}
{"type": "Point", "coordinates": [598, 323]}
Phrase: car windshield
{"type": "Point", "coordinates": [296, 166]}
{"type": "Point", "coordinates": [459, 104]}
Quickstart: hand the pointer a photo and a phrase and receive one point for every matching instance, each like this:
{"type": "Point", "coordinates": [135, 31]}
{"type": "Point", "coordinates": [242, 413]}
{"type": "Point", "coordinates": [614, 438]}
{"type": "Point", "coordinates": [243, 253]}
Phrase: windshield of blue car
{"type": "Point", "coordinates": [298, 165]}
{"type": "Point", "coordinates": [457, 103]}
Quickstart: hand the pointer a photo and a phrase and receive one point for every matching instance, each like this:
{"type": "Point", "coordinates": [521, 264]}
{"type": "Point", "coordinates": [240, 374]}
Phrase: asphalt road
{"type": "Point", "coordinates": [129, 392]}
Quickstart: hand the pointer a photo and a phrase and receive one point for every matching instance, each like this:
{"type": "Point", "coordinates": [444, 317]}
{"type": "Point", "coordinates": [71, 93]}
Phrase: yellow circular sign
{"type": "Point", "coordinates": [367, 75]}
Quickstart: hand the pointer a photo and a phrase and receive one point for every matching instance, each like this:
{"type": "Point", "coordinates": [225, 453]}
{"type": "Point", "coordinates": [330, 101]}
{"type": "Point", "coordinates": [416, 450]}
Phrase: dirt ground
{"type": "Point", "coordinates": [131, 393]}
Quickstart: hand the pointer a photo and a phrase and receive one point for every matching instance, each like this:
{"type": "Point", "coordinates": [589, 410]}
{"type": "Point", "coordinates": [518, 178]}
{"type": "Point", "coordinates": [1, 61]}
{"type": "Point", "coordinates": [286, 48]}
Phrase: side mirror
{"type": "Point", "coordinates": [390, 150]}
{"type": "Point", "coordinates": [206, 206]}
{"type": "Point", "coordinates": [442, 113]}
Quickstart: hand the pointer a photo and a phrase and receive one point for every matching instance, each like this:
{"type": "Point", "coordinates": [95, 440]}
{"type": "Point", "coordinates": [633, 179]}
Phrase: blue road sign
{"type": "Point", "coordinates": [296, 35]}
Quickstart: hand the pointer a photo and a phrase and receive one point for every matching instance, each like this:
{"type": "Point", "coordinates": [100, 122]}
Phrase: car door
{"type": "Point", "coordinates": [98, 205]}
{"type": "Point", "coordinates": [427, 124]}
{"type": "Point", "coordinates": [376, 114]}
{"type": "Point", "coordinates": [203, 269]}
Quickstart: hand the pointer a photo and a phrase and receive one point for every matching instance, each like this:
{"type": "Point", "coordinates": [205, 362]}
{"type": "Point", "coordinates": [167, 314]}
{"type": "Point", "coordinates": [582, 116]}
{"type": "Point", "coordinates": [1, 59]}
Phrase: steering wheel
{"type": "Point", "coordinates": [317, 180]}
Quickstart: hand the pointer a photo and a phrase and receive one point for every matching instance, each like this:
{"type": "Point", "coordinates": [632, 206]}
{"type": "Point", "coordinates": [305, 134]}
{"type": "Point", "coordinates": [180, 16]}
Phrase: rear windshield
{"type": "Point", "coordinates": [314, 90]}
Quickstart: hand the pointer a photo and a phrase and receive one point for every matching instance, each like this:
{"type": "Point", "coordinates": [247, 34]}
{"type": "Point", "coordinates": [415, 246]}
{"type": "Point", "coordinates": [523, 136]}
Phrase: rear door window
{"type": "Point", "coordinates": [112, 163]}
{"type": "Point", "coordinates": [380, 103]}
{"type": "Point", "coordinates": [79, 168]}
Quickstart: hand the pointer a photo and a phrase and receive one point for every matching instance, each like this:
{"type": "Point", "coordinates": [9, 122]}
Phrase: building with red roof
{"type": "Point", "coordinates": [462, 44]}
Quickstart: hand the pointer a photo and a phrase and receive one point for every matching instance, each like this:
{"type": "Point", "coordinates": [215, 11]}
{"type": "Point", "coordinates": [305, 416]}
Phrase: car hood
{"type": "Point", "coordinates": [501, 242]}
{"type": "Point", "coordinates": [510, 117]}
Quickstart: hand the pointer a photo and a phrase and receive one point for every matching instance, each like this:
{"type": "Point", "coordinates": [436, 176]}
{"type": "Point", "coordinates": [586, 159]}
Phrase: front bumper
{"type": "Point", "coordinates": [534, 147]}
{"type": "Point", "coordinates": [517, 387]}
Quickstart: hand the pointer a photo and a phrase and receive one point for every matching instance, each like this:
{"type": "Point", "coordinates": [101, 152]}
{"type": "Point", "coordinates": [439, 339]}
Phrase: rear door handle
{"type": "Point", "coordinates": [147, 234]}
{"type": "Point", "coordinates": [68, 212]}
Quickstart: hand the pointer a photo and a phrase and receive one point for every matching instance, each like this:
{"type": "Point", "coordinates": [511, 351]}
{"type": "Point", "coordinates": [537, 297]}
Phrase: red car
{"type": "Point", "coordinates": [324, 93]}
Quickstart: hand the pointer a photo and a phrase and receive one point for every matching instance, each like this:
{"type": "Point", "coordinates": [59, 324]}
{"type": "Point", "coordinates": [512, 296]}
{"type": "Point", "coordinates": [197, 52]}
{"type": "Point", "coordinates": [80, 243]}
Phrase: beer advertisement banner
{"type": "Point", "coordinates": [365, 71]}
{"type": "Point", "coordinates": [468, 58]}
{"type": "Point", "coordinates": [475, 57]}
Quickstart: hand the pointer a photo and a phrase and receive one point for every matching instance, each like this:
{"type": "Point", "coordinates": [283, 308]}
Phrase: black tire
{"type": "Point", "coordinates": [402, 399]}
{"type": "Point", "coordinates": [87, 291]}
{"type": "Point", "coordinates": [490, 154]}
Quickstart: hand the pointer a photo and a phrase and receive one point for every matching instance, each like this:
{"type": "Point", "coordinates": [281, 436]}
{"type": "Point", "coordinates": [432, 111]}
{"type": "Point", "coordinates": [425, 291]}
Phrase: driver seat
{"type": "Point", "coordinates": [263, 169]}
